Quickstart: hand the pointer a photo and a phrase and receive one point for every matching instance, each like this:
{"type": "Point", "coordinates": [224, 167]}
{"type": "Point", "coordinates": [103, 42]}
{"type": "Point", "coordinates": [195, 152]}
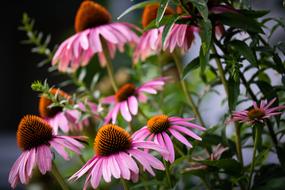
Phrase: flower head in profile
{"type": "Point", "coordinates": [93, 26]}
{"type": "Point", "coordinates": [258, 114]}
{"type": "Point", "coordinates": [180, 36]}
{"type": "Point", "coordinates": [36, 138]}
{"type": "Point", "coordinates": [127, 98]}
{"type": "Point", "coordinates": [159, 127]}
{"type": "Point", "coordinates": [117, 154]}
{"type": "Point", "coordinates": [58, 118]}
{"type": "Point", "coordinates": [215, 155]}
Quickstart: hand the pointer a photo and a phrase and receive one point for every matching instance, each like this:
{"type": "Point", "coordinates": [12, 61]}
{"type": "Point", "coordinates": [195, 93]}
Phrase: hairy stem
{"type": "Point", "coordinates": [188, 97]}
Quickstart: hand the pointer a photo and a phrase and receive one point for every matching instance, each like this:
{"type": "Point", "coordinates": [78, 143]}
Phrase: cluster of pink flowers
{"type": "Point", "coordinates": [117, 153]}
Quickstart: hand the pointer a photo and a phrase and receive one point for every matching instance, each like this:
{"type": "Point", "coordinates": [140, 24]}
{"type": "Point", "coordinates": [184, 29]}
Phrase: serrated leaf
{"type": "Point", "coordinates": [135, 7]}
{"type": "Point", "coordinates": [161, 10]}
{"type": "Point", "coordinates": [243, 49]}
{"type": "Point", "coordinates": [234, 91]}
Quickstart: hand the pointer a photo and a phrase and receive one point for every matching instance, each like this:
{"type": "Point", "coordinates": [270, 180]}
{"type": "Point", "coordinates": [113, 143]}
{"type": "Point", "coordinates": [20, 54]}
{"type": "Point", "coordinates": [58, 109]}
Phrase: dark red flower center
{"type": "Point", "coordinates": [150, 12]}
{"type": "Point", "coordinates": [125, 92]}
{"type": "Point", "coordinates": [158, 124]}
{"type": "Point", "coordinates": [90, 15]}
{"type": "Point", "coordinates": [111, 139]}
{"type": "Point", "coordinates": [33, 131]}
{"type": "Point", "coordinates": [255, 114]}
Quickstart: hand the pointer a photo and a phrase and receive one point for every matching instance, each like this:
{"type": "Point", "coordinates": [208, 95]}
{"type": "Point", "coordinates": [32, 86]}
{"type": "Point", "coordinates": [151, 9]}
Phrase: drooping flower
{"type": "Point", "coordinates": [36, 138]}
{"type": "Point", "coordinates": [215, 155]}
{"type": "Point", "coordinates": [116, 153]}
{"type": "Point", "coordinates": [127, 98]}
{"type": "Point", "coordinates": [180, 36]}
{"type": "Point", "coordinates": [258, 113]}
{"type": "Point", "coordinates": [159, 127]}
{"type": "Point", "coordinates": [93, 24]}
{"type": "Point", "coordinates": [66, 120]}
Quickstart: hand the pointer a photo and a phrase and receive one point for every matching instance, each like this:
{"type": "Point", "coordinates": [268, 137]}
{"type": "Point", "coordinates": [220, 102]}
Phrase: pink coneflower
{"type": "Point", "coordinates": [58, 118]}
{"type": "Point", "coordinates": [92, 24]}
{"type": "Point", "coordinates": [257, 113]}
{"type": "Point", "coordinates": [36, 138]}
{"type": "Point", "coordinates": [115, 155]}
{"type": "Point", "coordinates": [180, 36]}
{"type": "Point", "coordinates": [127, 98]}
{"type": "Point", "coordinates": [157, 129]}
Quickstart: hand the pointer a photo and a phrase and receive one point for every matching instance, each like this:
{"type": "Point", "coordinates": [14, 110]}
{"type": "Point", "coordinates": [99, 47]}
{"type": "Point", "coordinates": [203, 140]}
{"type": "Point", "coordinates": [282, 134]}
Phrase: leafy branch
{"type": "Point", "coordinates": [36, 39]}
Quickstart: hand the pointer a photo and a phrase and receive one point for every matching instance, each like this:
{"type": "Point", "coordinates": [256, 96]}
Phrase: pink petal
{"type": "Point", "coordinates": [126, 174]}
{"type": "Point", "coordinates": [106, 170]}
{"type": "Point", "coordinates": [115, 170]}
{"type": "Point", "coordinates": [169, 146]}
{"type": "Point", "coordinates": [187, 132]}
{"type": "Point", "coordinates": [180, 137]}
{"type": "Point", "coordinates": [130, 162]}
{"type": "Point", "coordinates": [96, 174]}
{"type": "Point", "coordinates": [115, 112]}
{"type": "Point", "coordinates": [144, 162]}
{"type": "Point", "coordinates": [133, 105]}
{"type": "Point", "coordinates": [125, 111]}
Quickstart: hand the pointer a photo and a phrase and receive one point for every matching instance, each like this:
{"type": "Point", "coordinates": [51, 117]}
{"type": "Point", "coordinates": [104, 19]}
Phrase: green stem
{"type": "Point", "coordinates": [124, 183]}
{"type": "Point", "coordinates": [167, 173]}
{"type": "Point", "coordinates": [188, 97]}
{"type": "Point", "coordinates": [109, 65]}
{"type": "Point", "coordinates": [82, 159]}
{"type": "Point", "coordinates": [221, 71]}
{"type": "Point", "coordinates": [143, 114]}
{"type": "Point", "coordinates": [58, 177]}
{"type": "Point", "coordinates": [205, 183]}
{"type": "Point", "coordinates": [238, 143]}
{"type": "Point", "coordinates": [178, 150]}
{"type": "Point", "coordinates": [256, 141]}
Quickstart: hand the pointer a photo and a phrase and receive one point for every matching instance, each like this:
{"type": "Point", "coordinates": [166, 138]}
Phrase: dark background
{"type": "Point", "coordinates": [19, 66]}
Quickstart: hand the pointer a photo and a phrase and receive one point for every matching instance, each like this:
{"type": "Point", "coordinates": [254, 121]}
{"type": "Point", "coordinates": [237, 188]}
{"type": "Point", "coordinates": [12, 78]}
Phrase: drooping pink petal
{"type": "Point", "coordinates": [180, 137]}
{"type": "Point", "coordinates": [169, 146]}
{"type": "Point", "coordinates": [186, 131]}
{"type": "Point", "coordinates": [130, 162]}
{"type": "Point", "coordinates": [125, 111]}
{"type": "Point", "coordinates": [133, 105]}
{"type": "Point", "coordinates": [96, 174]}
{"type": "Point", "coordinates": [106, 170]}
{"type": "Point", "coordinates": [125, 171]}
{"type": "Point", "coordinates": [115, 170]}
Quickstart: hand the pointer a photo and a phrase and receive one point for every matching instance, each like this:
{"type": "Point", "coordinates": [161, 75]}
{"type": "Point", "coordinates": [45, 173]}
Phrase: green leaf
{"type": "Point", "coordinates": [168, 27]}
{"type": "Point", "coordinates": [234, 92]}
{"type": "Point", "coordinates": [194, 64]}
{"type": "Point", "coordinates": [243, 49]}
{"type": "Point", "coordinates": [240, 21]}
{"type": "Point", "coordinates": [135, 7]}
{"type": "Point", "coordinates": [161, 10]}
{"type": "Point", "coordinates": [230, 166]}
{"type": "Point", "coordinates": [206, 35]}
{"type": "Point", "coordinates": [148, 183]}
{"type": "Point", "coordinates": [202, 7]}
{"type": "Point", "coordinates": [254, 13]}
